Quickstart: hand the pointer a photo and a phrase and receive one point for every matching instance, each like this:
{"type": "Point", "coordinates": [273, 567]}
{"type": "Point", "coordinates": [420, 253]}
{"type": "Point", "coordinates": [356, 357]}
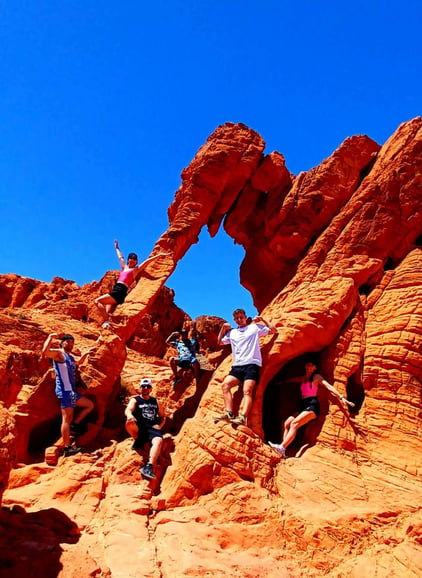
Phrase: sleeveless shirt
{"type": "Point", "coordinates": [146, 410]}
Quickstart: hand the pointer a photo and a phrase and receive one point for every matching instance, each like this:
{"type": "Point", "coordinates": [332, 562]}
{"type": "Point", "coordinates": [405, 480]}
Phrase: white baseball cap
{"type": "Point", "coordinates": [145, 382]}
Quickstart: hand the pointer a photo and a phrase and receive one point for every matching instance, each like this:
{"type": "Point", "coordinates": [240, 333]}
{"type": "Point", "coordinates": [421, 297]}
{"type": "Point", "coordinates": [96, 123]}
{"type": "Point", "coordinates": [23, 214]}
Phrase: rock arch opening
{"type": "Point", "coordinates": [206, 280]}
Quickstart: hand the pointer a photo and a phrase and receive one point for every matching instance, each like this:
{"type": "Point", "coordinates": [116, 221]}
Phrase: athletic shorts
{"type": "Point", "coordinates": [185, 363]}
{"type": "Point", "coordinates": [119, 293]}
{"type": "Point", "coordinates": [310, 404]}
{"type": "Point", "coordinates": [147, 433]}
{"type": "Point", "coordinates": [244, 372]}
{"type": "Point", "coordinates": [69, 399]}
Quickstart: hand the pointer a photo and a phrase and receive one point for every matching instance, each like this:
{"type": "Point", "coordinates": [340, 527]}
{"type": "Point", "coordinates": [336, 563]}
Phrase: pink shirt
{"type": "Point", "coordinates": [310, 388]}
{"type": "Point", "coordinates": [126, 277]}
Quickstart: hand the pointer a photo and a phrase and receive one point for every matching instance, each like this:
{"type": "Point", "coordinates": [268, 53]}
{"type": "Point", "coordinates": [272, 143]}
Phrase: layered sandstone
{"type": "Point", "coordinates": [333, 258]}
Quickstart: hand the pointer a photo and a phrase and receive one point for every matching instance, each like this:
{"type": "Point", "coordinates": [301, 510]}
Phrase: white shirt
{"type": "Point", "coordinates": [245, 343]}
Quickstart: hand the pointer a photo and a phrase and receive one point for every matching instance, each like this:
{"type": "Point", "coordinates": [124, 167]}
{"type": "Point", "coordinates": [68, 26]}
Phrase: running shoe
{"type": "Point", "coordinates": [148, 472]}
{"type": "Point", "coordinates": [279, 449]}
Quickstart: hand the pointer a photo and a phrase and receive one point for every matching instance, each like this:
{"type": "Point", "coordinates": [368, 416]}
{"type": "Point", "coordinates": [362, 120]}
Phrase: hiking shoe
{"type": "Point", "coordinates": [71, 451]}
{"type": "Point", "coordinates": [240, 420]}
{"type": "Point", "coordinates": [226, 416]}
{"type": "Point", "coordinates": [148, 472]}
{"type": "Point", "coordinates": [105, 325]}
{"type": "Point", "coordinates": [279, 449]}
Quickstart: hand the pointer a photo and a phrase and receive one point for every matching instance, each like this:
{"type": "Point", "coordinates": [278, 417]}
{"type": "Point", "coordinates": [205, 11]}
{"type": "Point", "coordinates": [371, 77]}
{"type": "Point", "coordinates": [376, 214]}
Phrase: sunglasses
{"type": "Point", "coordinates": [146, 386]}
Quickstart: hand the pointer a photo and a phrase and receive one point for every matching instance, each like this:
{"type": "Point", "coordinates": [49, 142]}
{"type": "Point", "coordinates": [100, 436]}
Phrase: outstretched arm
{"type": "Point", "coordinates": [119, 254]}
{"type": "Point", "coordinates": [263, 321]}
{"type": "Point", "coordinates": [172, 337]}
{"type": "Point", "coordinates": [52, 352]}
{"type": "Point", "coordinates": [345, 402]}
{"type": "Point", "coordinates": [225, 328]}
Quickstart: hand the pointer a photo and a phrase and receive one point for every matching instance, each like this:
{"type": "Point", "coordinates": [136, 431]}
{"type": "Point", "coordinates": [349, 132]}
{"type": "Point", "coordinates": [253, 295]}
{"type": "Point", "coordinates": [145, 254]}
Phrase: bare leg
{"type": "Point", "coordinates": [105, 303]}
{"type": "Point", "coordinates": [196, 368]}
{"type": "Point", "coordinates": [110, 307]}
{"type": "Point", "coordinates": [227, 385]}
{"type": "Point", "coordinates": [155, 449]}
{"type": "Point", "coordinates": [67, 416]}
{"type": "Point", "coordinates": [297, 422]}
{"type": "Point", "coordinates": [248, 387]}
{"type": "Point", "coordinates": [87, 406]}
{"type": "Point", "coordinates": [173, 365]}
{"type": "Point", "coordinates": [286, 426]}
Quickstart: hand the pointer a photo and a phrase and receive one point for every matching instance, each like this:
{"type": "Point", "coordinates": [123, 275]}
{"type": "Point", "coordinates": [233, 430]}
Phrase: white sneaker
{"type": "Point", "coordinates": [279, 449]}
{"type": "Point", "coordinates": [105, 325]}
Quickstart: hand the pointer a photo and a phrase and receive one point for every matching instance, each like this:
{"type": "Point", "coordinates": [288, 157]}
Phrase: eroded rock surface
{"type": "Point", "coordinates": [333, 257]}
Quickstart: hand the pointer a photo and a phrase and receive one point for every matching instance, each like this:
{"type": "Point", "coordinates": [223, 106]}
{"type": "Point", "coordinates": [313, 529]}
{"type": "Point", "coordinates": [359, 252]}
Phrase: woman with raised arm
{"type": "Point", "coordinates": [309, 406]}
{"type": "Point", "coordinates": [129, 274]}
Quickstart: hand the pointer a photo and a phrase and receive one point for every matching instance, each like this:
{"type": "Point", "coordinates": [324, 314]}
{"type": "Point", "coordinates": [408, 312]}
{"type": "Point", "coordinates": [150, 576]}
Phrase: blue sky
{"type": "Point", "coordinates": [102, 104]}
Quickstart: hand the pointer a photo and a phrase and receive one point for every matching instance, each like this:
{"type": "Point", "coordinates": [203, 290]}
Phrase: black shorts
{"type": "Point", "coordinates": [119, 293]}
{"type": "Point", "coordinates": [184, 364]}
{"type": "Point", "coordinates": [244, 372]}
{"type": "Point", "coordinates": [147, 433]}
{"type": "Point", "coordinates": [310, 404]}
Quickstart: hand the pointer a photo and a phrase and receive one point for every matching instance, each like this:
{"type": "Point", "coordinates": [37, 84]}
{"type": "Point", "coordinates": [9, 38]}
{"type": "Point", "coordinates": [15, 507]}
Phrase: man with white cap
{"type": "Point", "coordinates": [144, 420]}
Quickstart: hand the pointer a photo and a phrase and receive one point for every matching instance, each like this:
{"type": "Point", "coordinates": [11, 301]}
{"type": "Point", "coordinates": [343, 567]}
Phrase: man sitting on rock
{"type": "Point", "coordinates": [187, 349]}
{"type": "Point", "coordinates": [144, 420]}
{"type": "Point", "coordinates": [65, 369]}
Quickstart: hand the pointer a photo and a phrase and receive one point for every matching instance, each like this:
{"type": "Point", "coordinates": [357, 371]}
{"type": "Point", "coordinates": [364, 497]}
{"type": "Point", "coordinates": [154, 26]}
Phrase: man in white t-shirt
{"type": "Point", "coordinates": [247, 361]}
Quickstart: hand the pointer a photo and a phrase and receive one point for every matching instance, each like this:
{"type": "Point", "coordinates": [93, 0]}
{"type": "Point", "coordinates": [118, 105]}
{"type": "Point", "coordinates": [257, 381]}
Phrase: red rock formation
{"type": "Point", "coordinates": [333, 258]}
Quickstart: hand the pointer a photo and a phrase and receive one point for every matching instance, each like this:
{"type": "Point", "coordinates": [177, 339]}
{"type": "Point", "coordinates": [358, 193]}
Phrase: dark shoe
{"type": "Point", "coordinates": [227, 416]}
{"type": "Point", "coordinates": [240, 420]}
{"type": "Point", "coordinates": [76, 429]}
{"type": "Point", "coordinates": [148, 472]}
{"type": "Point", "coordinates": [71, 451]}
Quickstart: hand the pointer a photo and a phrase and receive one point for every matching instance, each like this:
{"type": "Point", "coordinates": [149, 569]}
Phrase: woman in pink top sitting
{"type": "Point", "coordinates": [309, 406]}
{"type": "Point", "coordinates": [128, 275]}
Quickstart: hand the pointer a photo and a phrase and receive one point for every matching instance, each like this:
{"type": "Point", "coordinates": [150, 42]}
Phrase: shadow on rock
{"type": "Point", "coordinates": [30, 542]}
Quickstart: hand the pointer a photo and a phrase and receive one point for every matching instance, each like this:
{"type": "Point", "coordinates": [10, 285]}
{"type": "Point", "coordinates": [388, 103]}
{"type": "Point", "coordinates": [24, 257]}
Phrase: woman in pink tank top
{"type": "Point", "coordinates": [309, 406]}
{"type": "Point", "coordinates": [129, 274]}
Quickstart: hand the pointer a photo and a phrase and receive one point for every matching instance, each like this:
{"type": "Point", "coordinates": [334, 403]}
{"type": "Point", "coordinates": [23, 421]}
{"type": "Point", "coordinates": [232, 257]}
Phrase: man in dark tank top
{"type": "Point", "coordinates": [144, 420]}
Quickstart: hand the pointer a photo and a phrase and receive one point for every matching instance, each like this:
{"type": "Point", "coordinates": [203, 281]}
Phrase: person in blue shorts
{"type": "Point", "coordinates": [65, 369]}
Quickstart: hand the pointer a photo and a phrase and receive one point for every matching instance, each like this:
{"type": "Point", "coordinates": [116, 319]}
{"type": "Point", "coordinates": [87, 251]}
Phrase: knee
{"type": "Point", "coordinates": [157, 442]}
{"type": "Point", "coordinates": [294, 424]}
{"type": "Point", "coordinates": [132, 429]}
{"type": "Point", "coordinates": [248, 391]}
{"type": "Point", "coordinates": [226, 387]}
